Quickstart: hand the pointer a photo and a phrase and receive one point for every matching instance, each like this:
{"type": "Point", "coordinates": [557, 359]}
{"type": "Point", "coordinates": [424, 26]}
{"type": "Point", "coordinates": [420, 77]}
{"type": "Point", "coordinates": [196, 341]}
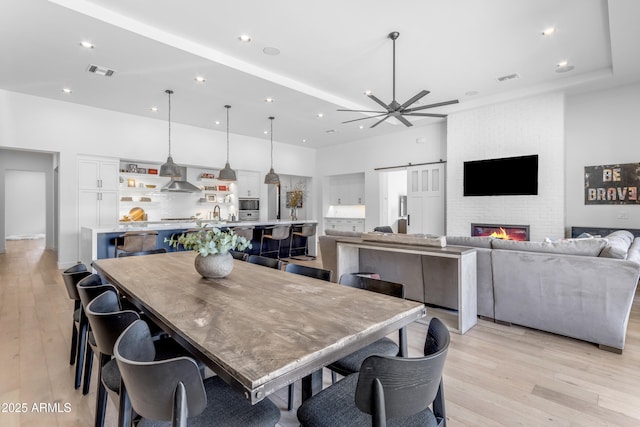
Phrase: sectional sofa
{"type": "Point", "coordinates": [580, 288]}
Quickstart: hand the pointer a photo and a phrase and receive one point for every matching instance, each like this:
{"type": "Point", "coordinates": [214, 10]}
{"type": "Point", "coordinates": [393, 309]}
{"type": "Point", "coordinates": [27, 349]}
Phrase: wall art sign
{"type": "Point", "coordinates": [612, 184]}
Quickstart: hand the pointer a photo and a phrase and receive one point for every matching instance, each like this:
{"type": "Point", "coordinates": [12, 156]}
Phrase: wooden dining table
{"type": "Point", "coordinates": [259, 328]}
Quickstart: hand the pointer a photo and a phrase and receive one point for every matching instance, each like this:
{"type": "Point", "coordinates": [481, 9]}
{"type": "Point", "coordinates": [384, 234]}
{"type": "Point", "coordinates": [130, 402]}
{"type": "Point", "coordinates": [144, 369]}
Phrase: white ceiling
{"type": "Point", "coordinates": [330, 53]}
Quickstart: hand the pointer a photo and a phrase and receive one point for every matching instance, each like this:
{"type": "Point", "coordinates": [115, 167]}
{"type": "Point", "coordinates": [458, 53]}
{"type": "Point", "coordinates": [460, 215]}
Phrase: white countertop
{"type": "Point", "coordinates": [176, 224]}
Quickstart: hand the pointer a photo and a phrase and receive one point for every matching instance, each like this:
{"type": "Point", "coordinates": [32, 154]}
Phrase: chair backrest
{"type": "Point", "coordinates": [265, 261]}
{"type": "Point", "coordinates": [279, 232]}
{"type": "Point", "coordinates": [246, 232]}
{"type": "Point", "coordinates": [90, 287]}
{"type": "Point", "coordinates": [383, 229]}
{"type": "Point", "coordinates": [239, 255]}
{"type": "Point", "coordinates": [404, 386]}
{"type": "Point", "coordinates": [317, 273]}
{"type": "Point", "coordinates": [71, 276]}
{"type": "Point", "coordinates": [108, 320]}
{"type": "Point", "coordinates": [151, 384]}
{"type": "Point", "coordinates": [306, 230]}
{"type": "Point", "coordinates": [138, 241]}
{"type": "Point", "coordinates": [140, 253]}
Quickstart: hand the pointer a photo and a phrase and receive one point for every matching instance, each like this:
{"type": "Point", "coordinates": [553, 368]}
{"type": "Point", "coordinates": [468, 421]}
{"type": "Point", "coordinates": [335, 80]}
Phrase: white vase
{"type": "Point", "coordinates": [214, 266]}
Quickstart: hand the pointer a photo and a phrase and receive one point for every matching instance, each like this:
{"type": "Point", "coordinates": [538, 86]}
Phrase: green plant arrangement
{"type": "Point", "coordinates": [210, 241]}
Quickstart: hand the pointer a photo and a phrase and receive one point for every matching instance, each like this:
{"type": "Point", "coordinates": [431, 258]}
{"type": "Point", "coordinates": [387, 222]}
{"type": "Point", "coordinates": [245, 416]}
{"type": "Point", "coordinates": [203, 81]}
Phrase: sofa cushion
{"type": "Point", "coordinates": [583, 247]}
{"type": "Point", "coordinates": [618, 244]}
{"type": "Point", "coordinates": [474, 242]}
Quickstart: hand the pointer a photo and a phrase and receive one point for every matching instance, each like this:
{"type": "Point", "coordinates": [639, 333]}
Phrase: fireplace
{"type": "Point", "coordinates": [501, 231]}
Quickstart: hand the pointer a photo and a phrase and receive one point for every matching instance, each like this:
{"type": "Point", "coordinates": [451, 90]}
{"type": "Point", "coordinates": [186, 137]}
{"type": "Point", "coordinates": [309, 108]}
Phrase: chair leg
{"type": "Point", "coordinates": [124, 408]}
{"type": "Point", "coordinates": [88, 366]}
{"type": "Point", "coordinates": [334, 377]}
{"type": "Point", "coordinates": [291, 396]}
{"type": "Point", "coordinates": [82, 345]}
{"type": "Point", "coordinates": [74, 342]}
{"type": "Point", "coordinates": [101, 395]}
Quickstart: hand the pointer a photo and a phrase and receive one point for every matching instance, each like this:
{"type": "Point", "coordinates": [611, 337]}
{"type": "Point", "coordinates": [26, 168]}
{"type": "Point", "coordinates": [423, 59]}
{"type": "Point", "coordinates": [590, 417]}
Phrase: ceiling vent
{"type": "Point", "coordinates": [509, 77]}
{"type": "Point", "coordinates": [101, 71]}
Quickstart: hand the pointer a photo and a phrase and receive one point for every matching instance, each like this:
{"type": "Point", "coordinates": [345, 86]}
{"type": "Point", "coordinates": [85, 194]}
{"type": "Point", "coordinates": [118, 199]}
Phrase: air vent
{"type": "Point", "coordinates": [101, 71]}
{"type": "Point", "coordinates": [509, 77]}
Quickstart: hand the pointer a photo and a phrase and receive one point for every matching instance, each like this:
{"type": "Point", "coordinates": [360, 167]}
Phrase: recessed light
{"type": "Point", "coordinates": [217, 122]}
{"type": "Point", "coordinates": [154, 109]}
{"type": "Point", "coordinates": [200, 79]}
{"type": "Point", "coordinates": [472, 93]}
{"type": "Point", "coordinates": [271, 51]}
{"type": "Point", "coordinates": [269, 100]}
{"type": "Point", "coordinates": [87, 44]}
{"type": "Point", "coordinates": [304, 140]}
{"type": "Point", "coordinates": [244, 38]}
{"type": "Point", "coordinates": [265, 132]}
{"type": "Point", "coordinates": [320, 115]}
{"type": "Point", "coordinates": [368, 92]}
{"type": "Point", "coordinates": [330, 131]}
{"type": "Point", "coordinates": [549, 31]}
{"type": "Point", "coordinates": [563, 67]}
{"type": "Point", "coordinates": [361, 127]}
{"type": "Point", "coordinates": [66, 90]}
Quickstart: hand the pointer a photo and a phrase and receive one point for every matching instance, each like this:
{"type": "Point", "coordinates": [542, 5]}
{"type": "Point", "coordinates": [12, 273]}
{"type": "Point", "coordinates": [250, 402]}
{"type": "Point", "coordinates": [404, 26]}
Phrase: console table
{"type": "Point", "coordinates": [454, 267]}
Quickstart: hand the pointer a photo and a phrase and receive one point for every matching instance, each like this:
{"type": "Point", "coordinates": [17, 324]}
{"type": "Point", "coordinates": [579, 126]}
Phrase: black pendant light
{"type": "Point", "coordinates": [227, 174]}
{"type": "Point", "coordinates": [272, 177]}
{"type": "Point", "coordinates": [169, 168]}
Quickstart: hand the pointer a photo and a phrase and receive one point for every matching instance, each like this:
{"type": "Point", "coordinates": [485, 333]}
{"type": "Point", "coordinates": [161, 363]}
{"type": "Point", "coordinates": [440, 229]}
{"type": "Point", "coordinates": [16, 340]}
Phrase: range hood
{"type": "Point", "coordinates": [180, 184]}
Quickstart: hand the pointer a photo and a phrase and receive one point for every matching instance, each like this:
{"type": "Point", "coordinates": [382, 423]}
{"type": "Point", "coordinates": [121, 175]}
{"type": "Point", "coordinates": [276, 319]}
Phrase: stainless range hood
{"type": "Point", "coordinates": [180, 184]}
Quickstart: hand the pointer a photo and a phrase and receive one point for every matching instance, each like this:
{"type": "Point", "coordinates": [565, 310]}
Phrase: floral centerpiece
{"type": "Point", "coordinates": [212, 246]}
{"type": "Point", "coordinates": [294, 199]}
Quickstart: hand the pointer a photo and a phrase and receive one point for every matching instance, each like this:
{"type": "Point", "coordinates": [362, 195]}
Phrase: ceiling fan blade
{"type": "Point", "coordinates": [414, 99]}
{"type": "Point", "coordinates": [364, 118]}
{"type": "Point", "coordinates": [379, 121]}
{"type": "Point", "coordinates": [404, 121]}
{"type": "Point", "coordinates": [365, 111]}
{"type": "Point", "coordinates": [385, 106]}
{"type": "Point", "coordinates": [425, 115]}
{"type": "Point", "coordinates": [424, 107]}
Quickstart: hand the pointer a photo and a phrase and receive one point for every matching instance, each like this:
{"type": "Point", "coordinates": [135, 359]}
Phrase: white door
{"type": "Point", "coordinates": [425, 199]}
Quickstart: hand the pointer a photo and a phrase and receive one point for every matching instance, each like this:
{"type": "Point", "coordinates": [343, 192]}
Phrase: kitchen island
{"type": "Point", "coordinates": [98, 242]}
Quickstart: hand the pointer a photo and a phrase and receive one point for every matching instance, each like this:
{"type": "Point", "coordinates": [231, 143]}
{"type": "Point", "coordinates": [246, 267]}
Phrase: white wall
{"type": "Point", "coordinates": [25, 203]}
{"type": "Point", "coordinates": [527, 126]}
{"type": "Point", "coordinates": [602, 128]}
{"type": "Point", "coordinates": [35, 123]}
{"type": "Point", "coordinates": [369, 153]}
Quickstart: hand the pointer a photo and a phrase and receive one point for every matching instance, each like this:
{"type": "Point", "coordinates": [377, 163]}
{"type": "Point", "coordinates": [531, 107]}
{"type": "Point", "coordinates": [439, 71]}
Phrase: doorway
{"type": "Point", "coordinates": [393, 199]}
{"type": "Point", "coordinates": [25, 205]}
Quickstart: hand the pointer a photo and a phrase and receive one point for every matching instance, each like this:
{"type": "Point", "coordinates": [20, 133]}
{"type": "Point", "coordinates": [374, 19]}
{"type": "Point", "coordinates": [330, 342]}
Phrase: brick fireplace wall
{"type": "Point", "coordinates": [533, 125]}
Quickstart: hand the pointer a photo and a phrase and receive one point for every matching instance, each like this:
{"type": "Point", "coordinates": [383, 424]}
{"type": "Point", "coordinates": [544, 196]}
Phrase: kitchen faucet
{"type": "Point", "coordinates": [216, 213]}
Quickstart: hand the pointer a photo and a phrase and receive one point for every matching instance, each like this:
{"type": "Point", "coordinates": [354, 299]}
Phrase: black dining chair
{"type": "Point", "coordinates": [173, 390]}
{"type": "Point", "coordinates": [316, 273]}
{"type": "Point", "coordinates": [265, 261]}
{"type": "Point", "coordinates": [398, 390]}
{"type": "Point", "coordinates": [384, 346]}
{"type": "Point", "coordinates": [239, 255]}
{"type": "Point", "coordinates": [71, 276]}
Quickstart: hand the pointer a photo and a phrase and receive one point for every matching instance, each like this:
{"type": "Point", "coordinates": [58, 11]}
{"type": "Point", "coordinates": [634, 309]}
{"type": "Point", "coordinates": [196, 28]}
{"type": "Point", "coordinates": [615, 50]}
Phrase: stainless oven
{"type": "Point", "coordinates": [245, 204]}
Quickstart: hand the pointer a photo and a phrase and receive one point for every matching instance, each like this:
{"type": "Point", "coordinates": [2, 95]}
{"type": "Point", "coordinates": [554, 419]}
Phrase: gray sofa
{"type": "Point", "coordinates": [580, 288]}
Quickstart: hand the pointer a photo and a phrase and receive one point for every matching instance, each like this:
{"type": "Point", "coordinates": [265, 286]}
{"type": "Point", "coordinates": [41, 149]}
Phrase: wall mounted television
{"type": "Point", "coordinates": [509, 176]}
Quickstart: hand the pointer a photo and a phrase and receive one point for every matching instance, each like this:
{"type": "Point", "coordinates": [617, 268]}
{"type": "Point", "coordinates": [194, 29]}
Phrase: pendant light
{"type": "Point", "coordinates": [227, 174]}
{"type": "Point", "coordinates": [272, 177]}
{"type": "Point", "coordinates": [169, 168]}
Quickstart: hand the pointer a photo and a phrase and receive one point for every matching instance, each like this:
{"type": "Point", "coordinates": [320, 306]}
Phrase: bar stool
{"type": "Point", "coordinates": [71, 276]}
{"type": "Point", "coordinates": [306, 231]}
{"type": "Point", "coordinates": [275, 232]}
{"type": "Point", "coordinates": [244, 231]}
{"type": "Point", "coordinates": [136, 241]}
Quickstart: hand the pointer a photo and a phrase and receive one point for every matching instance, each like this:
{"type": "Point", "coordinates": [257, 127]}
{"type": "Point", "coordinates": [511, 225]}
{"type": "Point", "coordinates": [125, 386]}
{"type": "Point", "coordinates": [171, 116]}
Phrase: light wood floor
{"type": "Point", "coordinates": [494, 376]}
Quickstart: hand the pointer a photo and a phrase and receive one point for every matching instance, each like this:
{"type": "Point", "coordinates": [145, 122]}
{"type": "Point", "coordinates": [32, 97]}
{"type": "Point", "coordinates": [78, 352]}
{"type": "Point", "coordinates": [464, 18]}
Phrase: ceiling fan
{"type": "Point", "coordinates": [395, 109]}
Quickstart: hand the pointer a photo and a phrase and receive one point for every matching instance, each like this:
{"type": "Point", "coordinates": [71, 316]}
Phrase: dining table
{"type": "Point", "coordinates": [260, 329]}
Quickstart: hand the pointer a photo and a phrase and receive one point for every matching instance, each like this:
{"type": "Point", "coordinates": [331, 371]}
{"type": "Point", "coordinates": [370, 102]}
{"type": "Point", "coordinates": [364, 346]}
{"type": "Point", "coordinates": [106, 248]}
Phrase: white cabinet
{"type": "Point", "coordinates": [97, 191]}
{"type": "Point", "coordinates": [248, 184]}
{"type": "Point", "coordinates": [346, 189]}
{"type": "Point", "coordinates": [344, 224]}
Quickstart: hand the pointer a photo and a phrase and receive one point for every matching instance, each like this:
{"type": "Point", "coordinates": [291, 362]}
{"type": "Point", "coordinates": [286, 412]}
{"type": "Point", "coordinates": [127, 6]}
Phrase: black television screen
{"type": "Point", "coordinates": [510, 176]}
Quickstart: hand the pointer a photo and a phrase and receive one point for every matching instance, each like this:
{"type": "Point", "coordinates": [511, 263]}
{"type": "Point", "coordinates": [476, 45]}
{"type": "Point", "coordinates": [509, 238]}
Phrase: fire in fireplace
{"type": "Point", "coordinates": [501, 231]}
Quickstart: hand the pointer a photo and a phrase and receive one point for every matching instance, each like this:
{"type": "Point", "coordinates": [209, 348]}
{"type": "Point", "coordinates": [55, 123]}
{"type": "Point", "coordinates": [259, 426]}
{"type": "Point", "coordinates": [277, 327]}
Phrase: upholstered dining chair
{"type": "Point", "coordinates": [398, 390]}
{"type": "Point", "coordinates": [384, 346]}
{"type": "Point", "coordinates": [316, 273]}
{"type": "Point", "coordinates": [71, 276]}
{"type": "Point", "coordinates": [172, 390]}
{"type": "Point", "coordinates": [140, 253]}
